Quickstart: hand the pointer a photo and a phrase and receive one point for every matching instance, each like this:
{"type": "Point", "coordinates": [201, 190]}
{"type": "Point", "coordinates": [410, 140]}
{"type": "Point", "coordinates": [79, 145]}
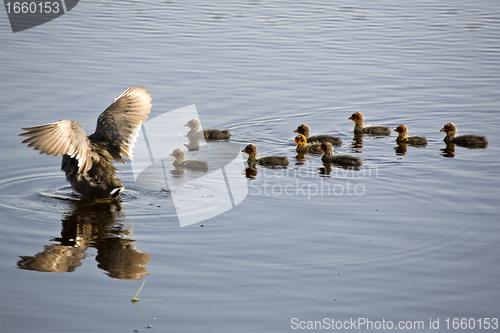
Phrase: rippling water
{"type": "Point", "coordinates": [411, 235]}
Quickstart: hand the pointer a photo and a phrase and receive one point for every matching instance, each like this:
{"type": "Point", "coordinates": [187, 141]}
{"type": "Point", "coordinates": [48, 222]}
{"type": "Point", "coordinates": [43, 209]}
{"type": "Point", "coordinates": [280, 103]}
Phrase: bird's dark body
{"type": "Point", "coordinates": [192, 164]}
{"type": "Point", "coordinates": [308, 148]}
{"type": "Point", "coordinates": [345, 160]}
{"type": "Point", "coordinates": [376, 130]}
{"type": "Point", "coordinates": [336, 141]}
{"type": "Point", "coordinates": [413, 141]}
{"type": "Point", "coordinates": [216, 134]}
{"type": "Point", "coordinates": [208, 134]}
{"type": "Point", "coordinates": [468, 140]}
{"type": "Point", "coordinates": [304, 130]}
{"type": "Point", "coordinates": [100, 181]}
{"type": "Point", "coordinates": [273, 160]}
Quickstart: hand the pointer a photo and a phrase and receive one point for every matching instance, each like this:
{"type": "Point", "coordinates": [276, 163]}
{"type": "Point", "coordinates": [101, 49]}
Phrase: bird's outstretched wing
{"type": "Point", "coordinates": [63, 137]}
{"type": "Point", "coordinates": [119, 124]}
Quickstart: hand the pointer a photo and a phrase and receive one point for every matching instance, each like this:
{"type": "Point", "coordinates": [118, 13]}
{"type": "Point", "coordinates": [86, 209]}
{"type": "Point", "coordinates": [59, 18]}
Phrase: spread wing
{"type": "Point", "coordinates": [63, 137]}
{"type": "Point", "coordinates": [119, 124]}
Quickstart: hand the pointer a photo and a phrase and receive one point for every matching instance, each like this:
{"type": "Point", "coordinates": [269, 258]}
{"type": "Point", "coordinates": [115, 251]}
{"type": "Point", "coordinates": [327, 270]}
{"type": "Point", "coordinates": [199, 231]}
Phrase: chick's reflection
{"type": "Point", "coordinates": [91, 224]}
{"type": "Point", "coordinates": [357, 143]}
{"type": "Point", "coordinates": [449, 151]}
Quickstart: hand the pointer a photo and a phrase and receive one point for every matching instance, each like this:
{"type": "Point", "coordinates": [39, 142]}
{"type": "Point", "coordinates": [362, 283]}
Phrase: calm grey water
{"type": "Point", "coordinates": [409, 237]}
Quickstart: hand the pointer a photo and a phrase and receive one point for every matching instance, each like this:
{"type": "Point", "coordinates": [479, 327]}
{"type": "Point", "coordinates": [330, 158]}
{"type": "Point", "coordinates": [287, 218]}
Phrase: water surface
{"type": "Point", "coordinates": [408, 237]}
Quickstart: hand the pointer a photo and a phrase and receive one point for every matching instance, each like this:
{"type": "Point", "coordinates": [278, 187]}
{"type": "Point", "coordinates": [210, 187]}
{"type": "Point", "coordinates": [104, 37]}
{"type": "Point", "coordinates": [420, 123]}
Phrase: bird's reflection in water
{"type": "Point", "coordinates": [300, 158]}
{"type": "Point", "coordinates": [92, 224]}
{"type": "Point", "coordinates": [357, 142]}
{"type": "Point", "coordinates": [194, 135]}
{"type": "Point", "coordinates": [400, 149]}
{"type": "Point", "coordinates": [326, 169]}
{"type": "Point", "coordinates": [194, 143]}
{"type": "Point", "coordinates": [251, 172]}
{"type": "Point", "coordinates": [251, 169]}
{"type": "Point", "coordinates": [177, 172]}
{"type": "Point", "coordinates": [449, 151]}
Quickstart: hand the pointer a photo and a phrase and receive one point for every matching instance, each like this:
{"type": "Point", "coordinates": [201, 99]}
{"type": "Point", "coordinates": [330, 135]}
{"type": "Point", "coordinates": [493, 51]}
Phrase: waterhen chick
{"type": "Point", "coordinates": [329, 157]}
{"type": "Point", "coordinates": [87, 160]}
{"type": "Point", "coordinates": [181, 162]}
{"type": "Point", "coordinates": [251, 150]}
{"type": "Point", "coordinates": [304, 147]}
{"type": "Point", "coordinates": [304, 130]}
{"type": "Point", "coordinates": [467, 140]}
{"type": "Point", "coordinates": [209, 134]}
{"type": "Point", "coordinates": [413, 140]}
{"type": "Point", "coordinates": [359, 127]}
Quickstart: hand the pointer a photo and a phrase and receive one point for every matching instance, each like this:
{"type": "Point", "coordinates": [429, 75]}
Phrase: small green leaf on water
{"type": "Point", "coordinates": [135, 299]}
